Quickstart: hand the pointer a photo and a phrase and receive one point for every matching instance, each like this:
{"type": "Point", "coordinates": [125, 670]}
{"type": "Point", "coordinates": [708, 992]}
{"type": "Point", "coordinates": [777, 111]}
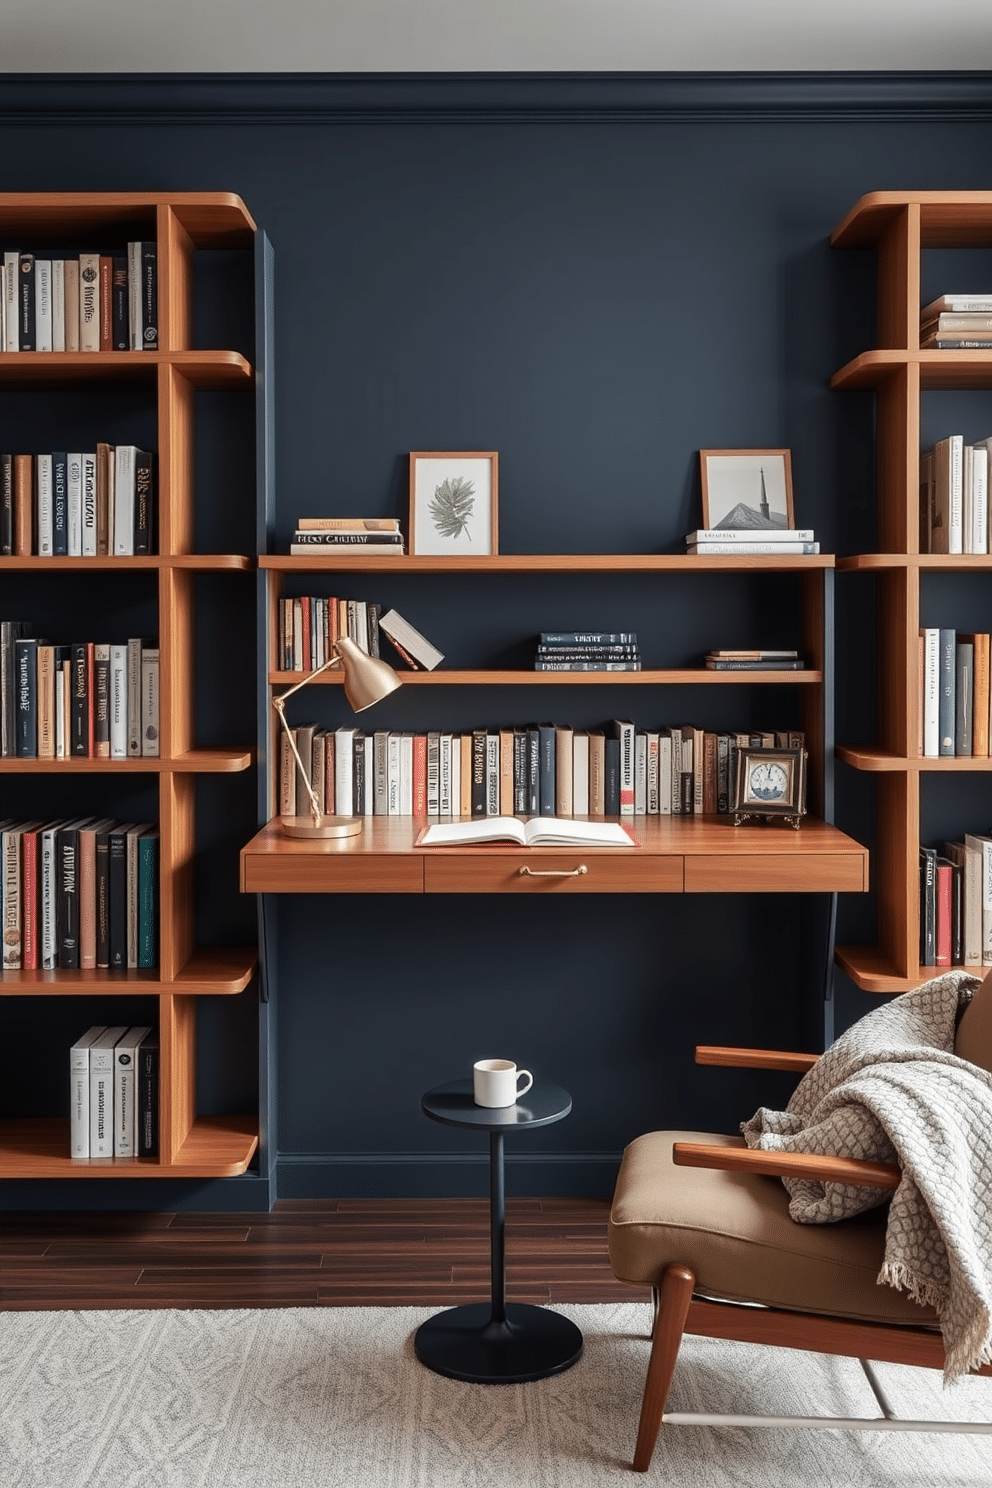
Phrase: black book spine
{"type": "Point", "coordinates": [26, 696]}
{"type": "Point", "coordinates": [611, 788]}
{"type": "Point", "coordinates": [546, 789]}
{"type": "Point", "coordinates": [928, 906]}
{"type": "Point", "coordinates": [6, 505]}
{"type": "Point", "coordinates": [147, 1124]}
{"type": "Point", "coordinates": [67, 906]}
{"type": "Point", "coordinates": [478, 772]}
{"type": "Point", "coordinates": [80, 699]}
{"type": "Point", "coordinates": [103, 898]}
{"type": "Point", "coordinates": [117, 875]}
{"type": "Point", "coordinates": [60, 508]}
{"type": "Point", "coordinates": [520, 771]}
{"type": "Point", "coordinates": [144, 503]}
{"type": "Point", "coordinates": [25, 303]}
{"type": "Point", "coordinates": [120, 325]}
{"type": "Point", "coordinates": [533, 771]}
{"type": "Point", "coordinates": [374, 611]}
{"type": "Point", "coordinates": [149, 297]}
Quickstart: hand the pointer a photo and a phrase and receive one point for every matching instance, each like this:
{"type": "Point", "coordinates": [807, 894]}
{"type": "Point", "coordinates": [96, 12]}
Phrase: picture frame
{"type": "Point", "coordinates": [770, 784]}
{"type": "Point", "coordinates": [454, 502]}
{"type": "Point", "coordinates": [747, 489]}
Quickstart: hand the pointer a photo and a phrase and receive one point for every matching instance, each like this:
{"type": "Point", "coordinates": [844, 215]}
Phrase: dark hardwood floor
{"type": "Point", "coordinates": [335, 1253]}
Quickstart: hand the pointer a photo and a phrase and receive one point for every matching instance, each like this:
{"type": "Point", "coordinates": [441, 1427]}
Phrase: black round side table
{"type": "Point", "coordinates": [497, 1342]}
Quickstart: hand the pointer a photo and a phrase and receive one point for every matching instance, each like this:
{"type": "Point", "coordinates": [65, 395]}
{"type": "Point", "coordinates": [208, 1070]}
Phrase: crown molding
{"type": "Point", "coordinates": [386, 98]}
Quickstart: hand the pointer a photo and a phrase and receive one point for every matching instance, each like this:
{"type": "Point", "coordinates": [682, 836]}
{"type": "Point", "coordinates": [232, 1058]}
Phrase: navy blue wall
{"type": "Point", "coordinates": [597, 277]}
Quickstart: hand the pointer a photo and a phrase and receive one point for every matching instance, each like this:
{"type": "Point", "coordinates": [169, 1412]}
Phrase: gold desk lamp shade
{"type": "Point", "coordinates": [367, 680]}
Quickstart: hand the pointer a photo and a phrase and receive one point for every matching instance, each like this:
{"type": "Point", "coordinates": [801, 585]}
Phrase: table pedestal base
{"type": "Point", "coordinates": [466, 1343]}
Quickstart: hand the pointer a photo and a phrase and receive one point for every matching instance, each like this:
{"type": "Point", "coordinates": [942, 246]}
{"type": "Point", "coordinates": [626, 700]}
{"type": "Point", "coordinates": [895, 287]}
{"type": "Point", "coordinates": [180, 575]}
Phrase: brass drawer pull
{"type": "Point", "coordinates": [553, 872]}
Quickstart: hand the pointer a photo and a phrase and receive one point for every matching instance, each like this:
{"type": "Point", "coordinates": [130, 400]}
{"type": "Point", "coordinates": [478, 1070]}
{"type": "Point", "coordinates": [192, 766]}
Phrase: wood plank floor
{"type": "Point", "coordinates": [335, 1253]}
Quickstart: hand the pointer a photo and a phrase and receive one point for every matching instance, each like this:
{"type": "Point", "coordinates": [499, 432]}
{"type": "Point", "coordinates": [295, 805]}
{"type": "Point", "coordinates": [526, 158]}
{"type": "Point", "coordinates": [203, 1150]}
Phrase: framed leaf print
{"type": "Point", "coordinates": [453, 502]}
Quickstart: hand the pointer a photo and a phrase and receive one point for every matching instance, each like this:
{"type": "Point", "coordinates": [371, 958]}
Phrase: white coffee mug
{"type": "Point", "coordinates": [494, 1082]}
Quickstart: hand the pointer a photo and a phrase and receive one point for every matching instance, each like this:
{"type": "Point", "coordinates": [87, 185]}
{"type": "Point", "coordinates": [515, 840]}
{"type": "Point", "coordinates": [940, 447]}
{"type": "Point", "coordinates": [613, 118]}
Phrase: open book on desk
{"type": "Point", "coordinates": [540, 831]}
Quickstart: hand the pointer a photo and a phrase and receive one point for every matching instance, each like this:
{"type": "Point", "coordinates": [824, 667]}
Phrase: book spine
{"type": "Point", "coordinates": [586, 666]}
{"type": "Point", "coordinates": [546, 787]}
{"type": "Point", "coordinates": [420, 775]}
{"type": "Point", "coordinates": [947, 702]}
{"type": "Point", "coordinates": [6, 505]}
{"type": "Point", "coordinates": [783, 550]}
{"type": "Point", "coordinates": [150, 720]}
{"type": "Point", "coordinates": [26, 682]}
{"type": "Point", "coordinates": [79, 1101]}
{"type": "Point", "coordinates": [492, 774]}
{"type": "Point", "coordinates": [588, 637]}
{"type": "Point", "coordinates": [11, 900]}
{"type": "Point", "coordinates": [478, 772]}
{"type": "Point", "coordinates": [88, 536]}
{"type": "Point", "coordinates": [144, 502]}
{"type": "Point", "coordinates": [30, 928]}
{"type": "Point", "coordinates": [102, 896]}
{"type": "Point", "coordinates": [89, 302]}
{"type": "Point", "coordinates": [11, 291]}
{"type": "Point", "coordinates": [101, 700]}
{"type": "Point", "coordinates": [519, 772]}
{"type": "Point", "coordinates": [68, 898]}
{"type": "Point", "coordinates": [944, 913]}
{"type": "Point", "coordinates": [963, 696]}
{"type": "Point", "coordinates": [120, 317]}
{"type": "Point", "coordinates": [133, 697]}
{"type": "Point", "coordinates": [930, 691]}
{"type": "Point", "coordinates": [86, 864]}
{"type": "Point", "coordinates": [149, 297]}
{"type": "Point", "coordinates": [25, 303]}
{"type": "Point", "coordinates": [70, 273]}
{"type": "Point", "coordinates": [611, 782]}
{"type": "Point", "coordinates": [23, 505]}
{"type": "Point", "coordinates": [117, 701]}
{"type": "Point", "coordinates": [45, 526]}
{"type": "Point", "coordinates": [147, 1139]}
{"type": "Point", "coordinates": [125, 1101]}
{"type": "Point", "coordinates": [117, 876]}
{"type": "Point", "coordinates": [101, 1102]}
{"type": "Point", "coordinates": [928, 903]}
{"type": "Point", "coordinates": [106, 302]}
{"type": "Point", "coordinates": [433, 772]}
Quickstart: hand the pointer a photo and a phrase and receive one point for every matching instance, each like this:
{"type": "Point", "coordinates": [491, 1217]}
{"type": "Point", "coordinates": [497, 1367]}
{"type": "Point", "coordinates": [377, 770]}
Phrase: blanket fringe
{"type": "Point", "coordinates": [973, 1349]}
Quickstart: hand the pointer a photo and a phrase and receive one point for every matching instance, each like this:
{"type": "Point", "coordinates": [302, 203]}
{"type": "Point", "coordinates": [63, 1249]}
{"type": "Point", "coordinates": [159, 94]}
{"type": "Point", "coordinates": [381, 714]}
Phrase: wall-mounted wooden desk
{"type": "Point", "coordinates": [675, 855]}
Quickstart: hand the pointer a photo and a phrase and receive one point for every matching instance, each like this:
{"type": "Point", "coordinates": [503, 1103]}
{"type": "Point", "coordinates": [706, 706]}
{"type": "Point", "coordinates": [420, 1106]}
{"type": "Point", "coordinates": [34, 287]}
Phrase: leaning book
{"type": "Point", "coordinates": [543, 831]}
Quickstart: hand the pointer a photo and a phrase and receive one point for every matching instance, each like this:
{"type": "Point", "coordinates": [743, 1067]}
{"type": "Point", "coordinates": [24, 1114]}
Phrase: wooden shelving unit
{"type": "Point", "coordinates": [901, 226]}
{"type": "Point", "coordinates": [191, 1145]}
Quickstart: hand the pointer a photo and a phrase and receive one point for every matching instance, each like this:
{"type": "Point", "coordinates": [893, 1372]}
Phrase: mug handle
{"type": "Point", "coordinates": [530, 1081]}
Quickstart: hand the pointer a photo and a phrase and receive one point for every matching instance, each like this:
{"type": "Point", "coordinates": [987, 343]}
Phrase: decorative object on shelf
{"type": "Point", "coordinates": [747, 490]}
{"type": "Point", "coordinates": [770, 785]}
{"type": "Point", "coordinates": [453, 502]}
{"type": "Point", "coordinates": [367, 680]}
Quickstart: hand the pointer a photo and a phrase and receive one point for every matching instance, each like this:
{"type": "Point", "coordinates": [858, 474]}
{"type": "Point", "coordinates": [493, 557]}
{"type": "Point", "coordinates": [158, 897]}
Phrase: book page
{"type": "Point", "coordinates": [481, 829]}
{"type": "Point", "coordinates": [557, 831]}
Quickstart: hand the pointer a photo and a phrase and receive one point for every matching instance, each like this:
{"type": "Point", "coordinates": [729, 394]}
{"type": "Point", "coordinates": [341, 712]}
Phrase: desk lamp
{"type": "Point", "coordinates": [367, 680]}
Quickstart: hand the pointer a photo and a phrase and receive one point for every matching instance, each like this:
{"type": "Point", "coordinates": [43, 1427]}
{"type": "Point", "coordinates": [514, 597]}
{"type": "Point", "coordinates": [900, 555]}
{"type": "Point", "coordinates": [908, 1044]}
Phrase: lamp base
{"type": "Point", "coordinates": [328, 826]}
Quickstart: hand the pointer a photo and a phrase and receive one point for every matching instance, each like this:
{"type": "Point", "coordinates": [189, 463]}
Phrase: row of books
{"type": "Point", "coordinates": [587, 651]}
{"type": "Point", "coordinates": [745, 541]}
{"type": "Point", "coordinates": [113, 1093]}
{"type": "Point", "coordinates": [80, 301]}
{"type": "Point", "coordinates": [953, 321]}
{"type": "Point", "coordinates": [88, 699]}
{"type": "Point", "coordinates": [309, 625]}
{"type": "Point", "coordinates": [78, 504]}
{"type": "Point", "coordinates": [541, 769]}
{"type": "Point", "coordinates": [954, 670]}
{"type": "Point", "coordinates": [316, 535]}
{"type": "Point", "coordinates": [954, 496]}
{"type": "Point", "coordinates": [956, 903]}
{"type": "Point", "coordinates": [79, 894]}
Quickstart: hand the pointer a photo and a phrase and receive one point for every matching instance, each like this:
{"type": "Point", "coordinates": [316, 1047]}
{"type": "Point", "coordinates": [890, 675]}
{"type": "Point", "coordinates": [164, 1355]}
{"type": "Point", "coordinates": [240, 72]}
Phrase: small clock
{"type": "Point", "coordinates": [770, 785]}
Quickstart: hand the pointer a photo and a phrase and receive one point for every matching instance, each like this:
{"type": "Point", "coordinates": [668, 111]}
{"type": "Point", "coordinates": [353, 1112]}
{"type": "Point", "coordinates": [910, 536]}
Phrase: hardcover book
{"type": "Point", "coordinates": [541, 831]}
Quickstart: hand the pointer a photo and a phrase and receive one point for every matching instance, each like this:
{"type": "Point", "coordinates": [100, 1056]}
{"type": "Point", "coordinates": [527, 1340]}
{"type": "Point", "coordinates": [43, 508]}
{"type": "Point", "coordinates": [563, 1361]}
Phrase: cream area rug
{"type": "Point", "coordinates": [334, 1398]}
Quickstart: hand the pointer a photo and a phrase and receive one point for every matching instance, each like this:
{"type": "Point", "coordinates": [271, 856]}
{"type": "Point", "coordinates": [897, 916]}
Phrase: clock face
{"type": "Point", "coordinates": [768, 781]}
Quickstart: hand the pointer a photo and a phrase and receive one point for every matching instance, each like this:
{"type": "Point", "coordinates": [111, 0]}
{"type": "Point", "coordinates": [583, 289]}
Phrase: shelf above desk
{"type": "Point", "coordinates": [674, 855]}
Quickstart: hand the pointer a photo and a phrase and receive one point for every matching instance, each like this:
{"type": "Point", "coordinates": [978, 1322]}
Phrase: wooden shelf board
{"type": "Point", "coordinates": [658, 677]}
{"type": "Point", "coordinates": [216, 1147]}
{"type": "Point", "coordinates": [207, 562]}
{"type": "Point", "coordinates": [871, 970]}
{"type": "Point", "coordinates": [195, 762]}
{"type": "Point", "coordinates": [947, 218]}
{"type": "Point", "coordinates": [954, 562]}
{"type": "Point", "coordinates": [215, 219]}
{"type": "Point", "coordinates": [545, 563]}
{"type": "Point", "coordinates": [878, 761]}
{"type": "Point", "coordinates": [210, 972]}
{"type": "Point", "coordinates": [938, 369]}
{"type": "Point", "coordinates": [204, 369]}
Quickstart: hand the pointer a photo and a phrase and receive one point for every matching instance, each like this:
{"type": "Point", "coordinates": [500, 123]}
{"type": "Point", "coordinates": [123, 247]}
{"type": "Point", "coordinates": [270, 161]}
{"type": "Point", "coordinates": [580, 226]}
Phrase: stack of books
{"type": "Point", "coordinates": [754, 660]}
{"type": "Point", "coordinates": [953, 321]}
{"type": "Point", "coordinates": [113, 1093]}
{"type": "Point", "coordinates": [954, 496]}
{"type": "Point", "coordinates": [321, 535]}
{"type": "Point", "coordinates": [587, 651]}
{"type": "Point", "coordinates": [791, 541]}
{"type": "Point", "coordinates": [80, 301]}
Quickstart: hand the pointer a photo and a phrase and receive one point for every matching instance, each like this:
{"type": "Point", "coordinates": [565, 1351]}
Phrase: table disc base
{"type": "Point", "coordinates": [466, 1344]}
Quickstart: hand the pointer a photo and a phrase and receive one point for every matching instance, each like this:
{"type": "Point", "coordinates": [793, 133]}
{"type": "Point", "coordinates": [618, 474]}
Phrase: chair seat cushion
{"type": "Point", "coordinates": [734, 1232]}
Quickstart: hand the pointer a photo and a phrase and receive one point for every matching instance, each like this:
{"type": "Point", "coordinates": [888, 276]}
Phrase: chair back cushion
{"type": "Point", "coordinates": [974, 1036]}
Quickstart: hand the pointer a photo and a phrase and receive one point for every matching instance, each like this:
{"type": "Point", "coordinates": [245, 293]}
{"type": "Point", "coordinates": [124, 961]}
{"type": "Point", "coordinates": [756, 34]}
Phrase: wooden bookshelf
{"type": "Point", "coordinates": [191, 1145]}
{"type": "Point", "coordinates": [900, 226]}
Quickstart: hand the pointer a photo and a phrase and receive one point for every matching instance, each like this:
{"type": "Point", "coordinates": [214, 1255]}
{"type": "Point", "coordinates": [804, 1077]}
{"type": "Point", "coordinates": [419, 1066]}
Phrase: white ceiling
{"type": "Point", "coordinates": [78, 36]}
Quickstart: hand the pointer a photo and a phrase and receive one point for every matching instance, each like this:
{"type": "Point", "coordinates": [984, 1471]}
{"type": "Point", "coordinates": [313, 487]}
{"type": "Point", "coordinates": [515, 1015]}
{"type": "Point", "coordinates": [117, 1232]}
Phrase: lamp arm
{"type": "Point", "coordinates": [279, 704]}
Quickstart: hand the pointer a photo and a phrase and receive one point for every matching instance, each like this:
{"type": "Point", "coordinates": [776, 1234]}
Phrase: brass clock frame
{"type": "Point", "coordinates": [749, 807]}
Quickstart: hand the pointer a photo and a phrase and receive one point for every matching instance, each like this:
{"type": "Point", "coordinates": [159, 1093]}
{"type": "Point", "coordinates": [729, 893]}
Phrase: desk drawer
{"type": "Point", "coordinates": [776, 873]}
{"type": "Point", "coordinates": [327, 869]}
{"type": "Point", "coordinates": [605, 873]}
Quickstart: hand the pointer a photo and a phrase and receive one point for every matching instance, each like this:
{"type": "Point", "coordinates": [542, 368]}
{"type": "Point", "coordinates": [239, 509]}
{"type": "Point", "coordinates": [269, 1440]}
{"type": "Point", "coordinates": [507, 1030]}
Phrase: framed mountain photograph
{"type": "Point", "coordinates": [747, 490]}
{"type": "Point", "coordinates": [453, 502]}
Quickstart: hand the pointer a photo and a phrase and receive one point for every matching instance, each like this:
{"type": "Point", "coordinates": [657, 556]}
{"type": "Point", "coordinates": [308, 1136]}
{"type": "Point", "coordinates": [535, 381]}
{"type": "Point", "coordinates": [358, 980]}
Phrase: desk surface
{"type": "Point", "coordinates": [673, 855]}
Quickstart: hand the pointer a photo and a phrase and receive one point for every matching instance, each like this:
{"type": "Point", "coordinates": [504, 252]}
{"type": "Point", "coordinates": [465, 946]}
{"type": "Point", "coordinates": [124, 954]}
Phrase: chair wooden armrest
{"type": "Point", "coordinates": [786, 1164]}
{"type": "Point", "coordinates": [755, 1058]}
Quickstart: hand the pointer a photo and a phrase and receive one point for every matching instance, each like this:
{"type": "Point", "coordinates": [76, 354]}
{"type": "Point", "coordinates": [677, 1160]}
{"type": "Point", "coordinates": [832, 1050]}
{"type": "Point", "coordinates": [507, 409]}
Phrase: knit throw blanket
{"type": "Point", "coordinates": [892, 1090]}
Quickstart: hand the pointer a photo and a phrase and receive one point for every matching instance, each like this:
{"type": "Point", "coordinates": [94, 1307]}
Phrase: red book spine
{"type": "Point", "coordinates": [945, 875]}
{"type": "Point", "coordinates": [420, 774]}
{"type": "Point", "coordinates": [29, 901]}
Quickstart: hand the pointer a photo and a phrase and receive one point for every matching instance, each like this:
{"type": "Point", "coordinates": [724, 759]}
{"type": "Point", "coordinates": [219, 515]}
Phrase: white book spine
{"type": "Point", "coordinates": [980, 496]}
{"type": "Point", "coordinates": [89, 302]}
{"type": "Point", "coordinates": [955, 531]}
{"type": "Point", "coordinates": [134, 295]}
{"type": "Point", "coordinates": [3, 306]}
{"type": "Point", "coordinates": [124, 1104]}
{"type": "Point", "coordinates": [652, 774]}
{"type": "Point", "coordinates": [58, 304]}
{"type": "Point", "coordinates": [640, 774]}
{"type": "Point", "coordinates": [344, 772]}
{"type": "Point", "coordinates": [444, 775]}
{"type": "Point", "coordinates": [43, 476]}
{"type": "Point", "coordinates": [118, 701]}
{"type": "Point", "coordinates": [124, 458]}
{"type": "Point", "coordinates": [70, 271]}
{"type": "Point", "coordinates": [406, 774]}
{"type": "Point", "coordinates": [456, 776]}
{"type": "Point", "coordinates": [74, 505]}
{"type": "Point", "coordinates": [133, 697]}
{"type": "Point", "coordinates": [664, 775]}
{"type": "Point", "coordinates": [150, 719]}
{"type": "Point", "coordinates": [380, 749]}
{"type": "Point", "coordinates": [393, 767]}
{"type": "Point", "coordinates": [931, 693]}
{"type": "Point", "coordinates": [102, 1101]}
{"type": "Point", "coordinates": [46, 905]}
{"type": "Point", "coordinates": [60, 714]}
{"type": "Point", "coordinates": [43, 304]}
{"type": "Point", "coordinates": [10, 263]}
{"type": "Point", "coordinates": [580, 774]}
{"type": "Point", "coordinates": [367, 747]}
{"type": "Point", "coordinates": [89, 504]}
{"type": "Point", "coordinates": [79, 1095]}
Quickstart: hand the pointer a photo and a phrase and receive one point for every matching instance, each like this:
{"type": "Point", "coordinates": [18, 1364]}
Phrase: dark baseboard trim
{"type": "Point", "coordinates": [247, 1194]}
{"type": "Point", "coordinates": [419, 1175]}
{"type": "Point", "coordinates": [493, 98]}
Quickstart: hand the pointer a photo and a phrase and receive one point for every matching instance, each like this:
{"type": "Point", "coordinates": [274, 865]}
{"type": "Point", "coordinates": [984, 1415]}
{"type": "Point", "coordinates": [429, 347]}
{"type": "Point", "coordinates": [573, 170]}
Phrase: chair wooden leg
{"type": "Point", "coordinates": [676, 1294]}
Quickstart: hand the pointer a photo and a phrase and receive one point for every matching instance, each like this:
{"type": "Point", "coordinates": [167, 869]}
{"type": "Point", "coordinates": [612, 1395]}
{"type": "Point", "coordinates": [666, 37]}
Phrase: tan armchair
{"type": "Point", "coordinates": [717, 1233]}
